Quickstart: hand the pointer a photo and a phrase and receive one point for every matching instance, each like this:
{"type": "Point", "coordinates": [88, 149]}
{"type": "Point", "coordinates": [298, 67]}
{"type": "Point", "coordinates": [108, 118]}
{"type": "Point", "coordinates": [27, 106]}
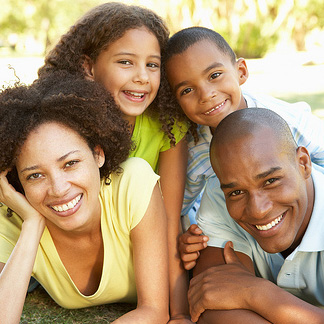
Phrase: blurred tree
{"type": "Point", "coordinates": [252, 27]}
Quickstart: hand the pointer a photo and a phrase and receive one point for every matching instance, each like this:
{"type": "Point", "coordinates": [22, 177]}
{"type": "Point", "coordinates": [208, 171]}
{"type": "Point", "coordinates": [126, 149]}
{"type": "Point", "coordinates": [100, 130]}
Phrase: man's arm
{"type": "Point", "coordinates": [225, 290]}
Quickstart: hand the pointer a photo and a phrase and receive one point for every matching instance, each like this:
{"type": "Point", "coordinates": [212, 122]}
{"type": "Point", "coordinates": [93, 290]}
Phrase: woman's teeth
{"type": "Point", "coordinates": [69, 205]}
{"type": "Point", "coordinates": [215, 108]}
{"type": "Point", "coordinates": [270, 225]}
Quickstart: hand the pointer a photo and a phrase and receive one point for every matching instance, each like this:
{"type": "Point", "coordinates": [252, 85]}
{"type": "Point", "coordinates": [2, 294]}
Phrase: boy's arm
{"type": "Point", "coordinates": [230, 284]}
{"type": "Point", "coordinates": [172, 170]}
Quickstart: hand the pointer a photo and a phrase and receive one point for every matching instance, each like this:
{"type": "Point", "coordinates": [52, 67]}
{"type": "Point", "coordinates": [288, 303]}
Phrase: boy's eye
{"type": "Point", "coordinates": [185, 91]}
{"type": "Point", "coordinates": [215, 75]}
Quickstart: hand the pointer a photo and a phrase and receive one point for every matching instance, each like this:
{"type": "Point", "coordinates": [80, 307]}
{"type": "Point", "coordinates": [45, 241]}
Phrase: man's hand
{"type": "Point", "coordinates": [223, 287]}
{"type": "Point", "coordinates": [190, 243]}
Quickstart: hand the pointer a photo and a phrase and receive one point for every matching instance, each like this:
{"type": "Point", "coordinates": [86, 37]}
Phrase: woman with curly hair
{"type": "Point", "coordinates": [121, 46]}
{"type": "Point", "coordinates": [88, 223]}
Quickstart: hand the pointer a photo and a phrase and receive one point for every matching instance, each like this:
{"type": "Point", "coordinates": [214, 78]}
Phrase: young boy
{"type": "Point", "coordinates": [274, 221]}
{"type": "Point", "coordinates": [206, 78]}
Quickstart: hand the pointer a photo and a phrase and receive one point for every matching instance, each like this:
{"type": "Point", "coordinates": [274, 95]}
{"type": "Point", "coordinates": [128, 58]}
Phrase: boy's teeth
{"type": "Point", "coordinates": [270, 225]}
{"type": "Point", "coordinates": [67, 206]}
{"type": "Point", "coordinates": [215, 108]}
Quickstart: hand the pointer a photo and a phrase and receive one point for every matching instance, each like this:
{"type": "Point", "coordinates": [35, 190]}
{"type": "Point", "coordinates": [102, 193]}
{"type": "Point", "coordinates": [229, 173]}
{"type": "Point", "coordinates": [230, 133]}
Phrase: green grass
{"type": "Point", "coordinates": [40, 308]}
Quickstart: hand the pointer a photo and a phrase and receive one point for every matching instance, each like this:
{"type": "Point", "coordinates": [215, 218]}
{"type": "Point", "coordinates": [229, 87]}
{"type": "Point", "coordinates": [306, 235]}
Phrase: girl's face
{"type": "Point", "coordinates": [60, 177]}
{"type": "Point", "coordinates": [130, 70]}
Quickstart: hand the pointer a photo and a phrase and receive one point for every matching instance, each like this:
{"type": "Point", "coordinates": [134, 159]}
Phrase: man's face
{"type": "Point", "coordinates": [265, 188]}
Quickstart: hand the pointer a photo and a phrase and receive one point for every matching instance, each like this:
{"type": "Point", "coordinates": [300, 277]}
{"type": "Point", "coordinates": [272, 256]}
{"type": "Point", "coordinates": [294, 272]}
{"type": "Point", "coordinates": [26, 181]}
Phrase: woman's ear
{"type": "Point", "coordinates": [243, 72]}
{"type": "Point", "coordinates": [88, 68]}
{"type": "Point", "coordinates": [99, 156]}
{"type": "Point", "coordinates": [304, 161]}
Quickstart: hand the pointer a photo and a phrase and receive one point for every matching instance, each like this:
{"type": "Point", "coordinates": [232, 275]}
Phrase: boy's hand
{"type": "Point", "coordinates": [222, 287]}
{"type": "Point", "coordinates": [190, 243]}
{"type": "Point", "coordinates": [15, 200]}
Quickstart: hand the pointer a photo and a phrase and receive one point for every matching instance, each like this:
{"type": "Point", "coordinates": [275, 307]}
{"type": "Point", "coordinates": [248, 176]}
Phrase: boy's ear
{"type": "Point", "coordinates": [242, 69]}
{"type": "Point", "coordinates": [304, 161]}
{"type": "Point", "coordinates": [99, 156]}
{"type": "Point", "coordinates": [88, 68]}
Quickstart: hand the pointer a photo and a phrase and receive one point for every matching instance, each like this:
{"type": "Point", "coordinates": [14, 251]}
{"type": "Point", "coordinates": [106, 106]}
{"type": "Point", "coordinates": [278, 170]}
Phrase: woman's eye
{"type": "Point", "coordinates": [71, 163]}
{"type": "Point", "coordinates": [215, 75]}
{"type": "Point", "coordinates": [185, 91]}
{"type": "Point", "coordinates": [34, 176]}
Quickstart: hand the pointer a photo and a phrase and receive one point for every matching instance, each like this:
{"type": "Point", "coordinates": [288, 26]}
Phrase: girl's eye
{"type": "Point", "coordinates": [125, 62]}
{"type": "Point", "coordinates": [34, 176]}
{"type": "Point", "coordinates": [71, 163]}
{"type": "Point", "coordinates": [153, 65]}
{"type": "Point", "coordinates": [185, 91]}
{"type": "Point", "coordinates": [215, 75]}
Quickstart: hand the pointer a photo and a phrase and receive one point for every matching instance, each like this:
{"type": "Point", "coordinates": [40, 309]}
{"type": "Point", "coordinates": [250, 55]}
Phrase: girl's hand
{"type": "Point", "coordinates": [15, 200]}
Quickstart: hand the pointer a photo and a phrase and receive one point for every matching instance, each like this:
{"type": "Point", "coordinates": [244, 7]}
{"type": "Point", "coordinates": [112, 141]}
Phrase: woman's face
{"type": "Point", "coordinates": [60, 176]}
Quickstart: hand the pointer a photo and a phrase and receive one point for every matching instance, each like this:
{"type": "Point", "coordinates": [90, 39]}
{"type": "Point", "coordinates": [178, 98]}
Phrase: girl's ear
{"type": "Point", "coordinates": [88, 68]}
{"type": "Point", "coordinates": [99, 156]}
{"type": "Point", "coordinates": [304, 161]}
{"type": "Point", "coordinates": [243, 72]}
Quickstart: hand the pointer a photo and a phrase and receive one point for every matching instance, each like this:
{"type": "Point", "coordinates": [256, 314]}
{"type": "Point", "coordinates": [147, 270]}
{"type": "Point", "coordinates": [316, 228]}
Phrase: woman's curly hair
{"type": "Point", "coordinates": [95, 31]}
{"type": "Point", "coordinates": [79, 104]}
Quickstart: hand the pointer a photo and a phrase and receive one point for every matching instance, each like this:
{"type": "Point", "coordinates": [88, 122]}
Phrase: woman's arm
{"type": "Point", "coordinates": [172, 170]}
{"type": "Point", "coordinates": [15, 274]}
{"type": "Point", "coordinates": [149, 239]}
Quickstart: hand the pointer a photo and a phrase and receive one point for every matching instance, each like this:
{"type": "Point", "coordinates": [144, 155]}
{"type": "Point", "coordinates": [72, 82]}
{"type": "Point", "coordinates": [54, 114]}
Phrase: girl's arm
{"type": "Point", "coordinates": [172, 170]}
{"type": "Point", "coordinates": [15, 274]}
{"type": "Point", "coordinates": [149, 239]}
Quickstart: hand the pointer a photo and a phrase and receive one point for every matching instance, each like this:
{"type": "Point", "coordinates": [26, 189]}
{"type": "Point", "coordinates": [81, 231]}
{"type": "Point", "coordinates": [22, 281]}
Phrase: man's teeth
{"type": "Point", "coordinates": [135, 94]}
{"type": "Point", "coordinates": [67, 206]}
{"type": "Point", "coordinates": [270, 225]}
{"type": "Point", "coordinates": [215, 108]}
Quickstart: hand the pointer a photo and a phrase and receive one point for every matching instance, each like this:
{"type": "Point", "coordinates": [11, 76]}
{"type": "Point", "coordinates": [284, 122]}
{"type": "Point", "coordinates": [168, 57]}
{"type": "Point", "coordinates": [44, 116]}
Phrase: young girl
{"type": "Point", "coordinates": [91, 229]}
{"type": "Point", "coordinates": [120, 46]}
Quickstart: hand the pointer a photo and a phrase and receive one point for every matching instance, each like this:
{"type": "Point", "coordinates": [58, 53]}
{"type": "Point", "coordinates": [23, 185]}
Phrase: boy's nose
{"type": "Point", "coordinates": [206, 94]}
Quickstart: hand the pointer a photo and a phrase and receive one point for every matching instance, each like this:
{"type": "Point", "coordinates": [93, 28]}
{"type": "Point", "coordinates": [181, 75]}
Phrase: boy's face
{"type": "Point", "coordinates": [206, 83]}
{"type": "Point", "coordinates": [266, 190]}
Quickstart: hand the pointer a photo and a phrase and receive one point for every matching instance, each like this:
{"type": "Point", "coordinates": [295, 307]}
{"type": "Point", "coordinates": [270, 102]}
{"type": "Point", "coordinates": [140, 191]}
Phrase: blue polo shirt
{"type": "Point", "coordinates": [302, 272]}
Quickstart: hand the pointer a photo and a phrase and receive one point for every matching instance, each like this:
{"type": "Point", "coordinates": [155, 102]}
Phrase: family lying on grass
{"type": "Point", "coordinates": [94, 180]}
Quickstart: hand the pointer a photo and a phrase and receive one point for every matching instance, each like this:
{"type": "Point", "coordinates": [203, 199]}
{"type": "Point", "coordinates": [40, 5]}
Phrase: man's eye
{"type": "Point", "coordinates": [270, 181]}
{"type": "Point", "coordinates": [235, 193]}
{"type": "Point", "coordinates": [186, 91]}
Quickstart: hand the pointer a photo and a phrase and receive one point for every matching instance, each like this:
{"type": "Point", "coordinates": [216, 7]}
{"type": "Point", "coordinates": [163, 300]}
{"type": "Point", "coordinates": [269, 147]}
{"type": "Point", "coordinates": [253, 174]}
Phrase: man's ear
{"type": "Point", "coordinates": [243, 72]}
{"type": "Point", "coordinates": [88, 68]}
{"type": "Point", "coordinates": [304, 161]}
{"type": "Point", "coordinates": [99, 156]}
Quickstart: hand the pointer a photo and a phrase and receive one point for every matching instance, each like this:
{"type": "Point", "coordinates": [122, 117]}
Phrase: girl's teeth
{"type": "Point", "coordinates": [135, 94]}
{"type": "Point", "coordinates": [270, 225]}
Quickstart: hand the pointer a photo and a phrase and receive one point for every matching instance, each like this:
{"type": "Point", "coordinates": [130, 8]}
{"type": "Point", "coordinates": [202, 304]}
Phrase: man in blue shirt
{"type": "Point", "coordinates": [273, 220]}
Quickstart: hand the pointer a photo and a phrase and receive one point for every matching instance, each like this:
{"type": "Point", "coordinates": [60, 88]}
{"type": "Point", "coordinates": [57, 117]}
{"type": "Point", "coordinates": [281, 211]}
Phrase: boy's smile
{"type": "Point", "coordinates": [206, 83]}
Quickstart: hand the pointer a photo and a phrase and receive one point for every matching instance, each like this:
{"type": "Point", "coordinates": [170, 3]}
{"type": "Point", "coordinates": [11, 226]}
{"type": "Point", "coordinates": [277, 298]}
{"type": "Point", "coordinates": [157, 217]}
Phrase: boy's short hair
{"type": "Point", "coordinates": [185, 38]}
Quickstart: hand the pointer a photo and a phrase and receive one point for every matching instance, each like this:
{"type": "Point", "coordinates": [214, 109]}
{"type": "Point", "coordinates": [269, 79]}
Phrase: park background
{"type": "Point", "coordinates": [282, 40]}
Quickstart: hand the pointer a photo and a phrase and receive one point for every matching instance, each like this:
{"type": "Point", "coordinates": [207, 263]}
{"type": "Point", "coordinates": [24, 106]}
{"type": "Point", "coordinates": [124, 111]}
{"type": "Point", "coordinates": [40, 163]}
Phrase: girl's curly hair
{"type": "Point", "coordinates": [95, 31]}
{"type": "Point", "coordinates": [79, 104]}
